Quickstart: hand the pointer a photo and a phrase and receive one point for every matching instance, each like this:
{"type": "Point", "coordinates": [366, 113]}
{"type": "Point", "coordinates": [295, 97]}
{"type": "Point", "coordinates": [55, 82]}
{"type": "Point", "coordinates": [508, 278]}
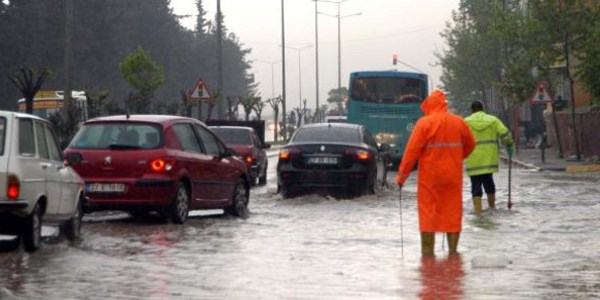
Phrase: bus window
{"type": "Point", "coordinates": [388, 90]}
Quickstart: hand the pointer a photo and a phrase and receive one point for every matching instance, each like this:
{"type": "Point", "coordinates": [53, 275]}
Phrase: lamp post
{"type": "Point", "coordinates": [339, 17]}
{"type": "Point", "coordinates": [299, 69]}
{"type": "Point", "coordinates": [272, 63]}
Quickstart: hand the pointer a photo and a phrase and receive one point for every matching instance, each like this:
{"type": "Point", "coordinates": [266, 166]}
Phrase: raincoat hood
{"type": "Point", "coordinates": [436, 102]}
{"type": "Point", "coordinates": [480, 121]}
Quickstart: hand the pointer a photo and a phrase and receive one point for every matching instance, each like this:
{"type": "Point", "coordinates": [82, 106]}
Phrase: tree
{"type": "Point", "coordinates": [96, 103]}
{"type": "Point", "coordinates": [258, 108]}
{"type": "Point", "coordinates": [232, 106]}
{"type": "Point", "coordinates": [143, 74]}
{"type": "Point", "coordinates": [28, 85]}
{"type": "Point", "coordinates": [274, 103]}
{"type": "Point", "coordinates": [337, 97]}
{"type": "Point", "coordinates": [249, 103]}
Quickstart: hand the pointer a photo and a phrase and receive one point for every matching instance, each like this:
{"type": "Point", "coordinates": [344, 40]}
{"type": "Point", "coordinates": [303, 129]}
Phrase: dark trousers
{"type": "Point", "coordinates": [485, 180]}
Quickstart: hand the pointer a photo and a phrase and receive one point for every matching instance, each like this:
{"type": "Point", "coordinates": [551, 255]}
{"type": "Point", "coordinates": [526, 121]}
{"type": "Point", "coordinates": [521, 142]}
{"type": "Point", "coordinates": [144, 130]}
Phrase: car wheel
{"type": "Point", "coordinates": [32, 231]}
{"type": "Point", "coordinates": [179, 209]}
{"type": "Point", "coordinates": [262, 179]}
{"type": "Point", "coordinates": [285, 191]}
{"type": "Point", "coordinates": [239, 204]}
{"type": "Point", "coordinates": [72, 228]}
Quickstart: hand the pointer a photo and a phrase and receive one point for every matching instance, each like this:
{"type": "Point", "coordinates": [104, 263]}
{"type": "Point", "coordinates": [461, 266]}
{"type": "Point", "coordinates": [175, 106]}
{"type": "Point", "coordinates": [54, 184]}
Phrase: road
{"type": "Point", "coordinates": [319, 247]}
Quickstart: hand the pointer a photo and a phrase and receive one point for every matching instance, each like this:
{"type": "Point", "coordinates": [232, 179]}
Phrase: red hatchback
{"type": "Point", "coordinates": [167, 164]}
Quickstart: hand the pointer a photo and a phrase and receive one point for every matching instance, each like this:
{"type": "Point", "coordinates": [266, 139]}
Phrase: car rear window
{"type": "Point", "coordinates": [327, 134]}
{"type": "Point", "coordinates": [2, 135]}
{"type": "Point", "coordinates": [233, 135]}
{"type": "Point", "coordinates": [118, 136]}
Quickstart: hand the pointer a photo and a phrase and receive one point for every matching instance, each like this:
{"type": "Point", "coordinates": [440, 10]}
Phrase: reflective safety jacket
{"type": "Point", "coordinates": [487, 129]}
{"type": "Point", "coordinates": [440, 141]}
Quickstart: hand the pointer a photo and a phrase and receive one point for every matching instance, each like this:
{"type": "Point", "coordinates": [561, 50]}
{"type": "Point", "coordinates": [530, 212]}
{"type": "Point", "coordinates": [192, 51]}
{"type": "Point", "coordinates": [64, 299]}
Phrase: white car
{"type": "Point", "coordinates": [35, 183]}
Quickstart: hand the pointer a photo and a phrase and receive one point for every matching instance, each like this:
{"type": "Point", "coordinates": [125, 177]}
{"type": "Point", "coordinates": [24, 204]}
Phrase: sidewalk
{"type": "Point", "coordinates": [531, 158]}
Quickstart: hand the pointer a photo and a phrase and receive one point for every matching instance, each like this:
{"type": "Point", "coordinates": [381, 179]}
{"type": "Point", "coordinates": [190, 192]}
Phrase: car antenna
{"type": "Point", "coordinates": [127, 114]}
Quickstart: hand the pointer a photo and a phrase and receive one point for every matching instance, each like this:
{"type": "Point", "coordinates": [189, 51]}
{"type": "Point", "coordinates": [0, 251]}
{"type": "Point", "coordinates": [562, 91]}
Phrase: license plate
{"type": "Point", "coordinates": [105, 187]}
{"type": "Point", "coordinates": [322, 160]}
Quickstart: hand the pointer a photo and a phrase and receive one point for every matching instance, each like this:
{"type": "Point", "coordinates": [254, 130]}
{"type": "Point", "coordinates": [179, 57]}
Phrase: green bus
{"type": "Point", "coordinates": [387, 103]}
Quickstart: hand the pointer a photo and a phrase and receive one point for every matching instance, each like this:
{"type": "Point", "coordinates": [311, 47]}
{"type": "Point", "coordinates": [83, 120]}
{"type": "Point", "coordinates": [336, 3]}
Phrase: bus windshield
{"type": "Point", "coordinates": [387, 103]}
{"type": "Point", "coordinates": [388, 89]}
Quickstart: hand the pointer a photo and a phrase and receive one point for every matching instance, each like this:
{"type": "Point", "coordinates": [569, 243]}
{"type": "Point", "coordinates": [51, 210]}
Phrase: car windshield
{"type": "Point", "coordinates": [327, 134]}
{"type": "Point", "coordinates": [233, 135]}
{"type": "Point", "coordinates": [117, 136]}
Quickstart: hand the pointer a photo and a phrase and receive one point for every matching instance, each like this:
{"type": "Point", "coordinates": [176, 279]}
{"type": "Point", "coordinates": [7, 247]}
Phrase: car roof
{"type": "Point", "coordinates": [163, 119]}
{"type": "Point", "coordinates": [343, 125]}
{"type": "Point", "coordinates": [233, 127]}
{"type": "Point", "coordinates": [20, 115]}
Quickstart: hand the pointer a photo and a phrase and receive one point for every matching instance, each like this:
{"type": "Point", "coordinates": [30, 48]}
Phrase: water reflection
{"type": "Point", "coordinates": [442, 278]}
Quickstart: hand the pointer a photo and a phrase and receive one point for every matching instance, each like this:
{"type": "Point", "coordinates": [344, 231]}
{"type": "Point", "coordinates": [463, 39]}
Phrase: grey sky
{"type": "Point", "coordinates": [409, 28]}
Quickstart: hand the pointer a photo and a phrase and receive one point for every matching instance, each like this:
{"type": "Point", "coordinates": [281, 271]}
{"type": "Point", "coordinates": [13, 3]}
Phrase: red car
{"type": "Point", "coordinates": [247, 144]}
{"type": "Point", "coordinates": [167, 164]}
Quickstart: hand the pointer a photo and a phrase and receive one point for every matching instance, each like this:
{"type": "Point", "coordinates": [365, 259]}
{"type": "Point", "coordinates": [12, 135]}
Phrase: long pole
{"type": "Point", "coordinates": [510, 204]}
{"type": "Point", "coordinates": [283, 71]}
{"type": "Point", "coordinates": [220, 106]}
{"type": "Point", "coordinates": [317, 58]}
{"type": "Point", "coordinates": [401, 227]}
{"type": "Point", "coordinates": [299, 78]}
{"type": "Point", "coordinates": [339, 49]}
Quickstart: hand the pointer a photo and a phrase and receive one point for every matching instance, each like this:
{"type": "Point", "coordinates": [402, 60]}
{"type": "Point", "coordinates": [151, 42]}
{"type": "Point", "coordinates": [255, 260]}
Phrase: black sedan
{"type": "Point", "coordinates": [325, 156]}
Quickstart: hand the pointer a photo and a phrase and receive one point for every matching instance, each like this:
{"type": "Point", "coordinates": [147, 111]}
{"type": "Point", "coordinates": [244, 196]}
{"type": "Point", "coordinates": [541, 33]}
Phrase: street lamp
{"type": "Point", "coordinates": [299, 69]}
{"type": "Point", "coordinates": [339, 17]}
{"type": "Point", "coordinates": [272, 63]}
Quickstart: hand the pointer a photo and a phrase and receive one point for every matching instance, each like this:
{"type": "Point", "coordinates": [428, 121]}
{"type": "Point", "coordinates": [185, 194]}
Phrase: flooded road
{"type": "Point", "coordinates": [319, 247]}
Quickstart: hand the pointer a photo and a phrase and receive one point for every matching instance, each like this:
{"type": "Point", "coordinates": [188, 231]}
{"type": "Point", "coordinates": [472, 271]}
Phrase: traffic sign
{"type": "Point", "coordinates": [200, 91]}
{"type": "Point", "coordinates": [541, 95]}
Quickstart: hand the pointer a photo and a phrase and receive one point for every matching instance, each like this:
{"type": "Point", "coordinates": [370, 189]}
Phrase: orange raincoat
{"type": "Point", "coordinates": [440, 141]}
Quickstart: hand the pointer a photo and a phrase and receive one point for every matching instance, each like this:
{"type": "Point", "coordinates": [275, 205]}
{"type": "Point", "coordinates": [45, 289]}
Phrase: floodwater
{"type": "Point", "coordinates": [319, 247]}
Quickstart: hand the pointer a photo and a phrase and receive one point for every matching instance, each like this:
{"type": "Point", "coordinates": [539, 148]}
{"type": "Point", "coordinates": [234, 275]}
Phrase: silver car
{"type": "Point", "coordinates": [35, 183]}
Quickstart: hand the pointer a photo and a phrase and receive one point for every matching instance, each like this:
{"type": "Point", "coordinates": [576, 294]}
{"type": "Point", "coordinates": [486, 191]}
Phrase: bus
{"type": "Point", "coordinates": [387, 103]}
{"type": "Point", "coordinates": [45, 103]}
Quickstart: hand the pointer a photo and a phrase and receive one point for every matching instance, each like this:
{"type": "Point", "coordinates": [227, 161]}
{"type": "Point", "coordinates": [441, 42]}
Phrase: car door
{"type": "Point", "coordinates": [194, 160]}
{"type": "Point", "coordinates": [223, 173]}
{"type": "Point", "coordinates": [51, 173]}
{"type": "Point", "coordinates": [70, 182]}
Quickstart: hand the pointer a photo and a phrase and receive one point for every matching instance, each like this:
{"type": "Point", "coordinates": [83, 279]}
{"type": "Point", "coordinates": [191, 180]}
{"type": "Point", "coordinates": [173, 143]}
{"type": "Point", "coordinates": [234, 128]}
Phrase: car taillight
{"type": "Point", "coordinates": [286, 153]}
{"type": "Point", "coordinates": [160, 165]}
{"type": "Point", "coordinates": [359, 154]}
{"type": "Point", "coordinates": [13, 188]}
{"type": "Point", "coordinates": [249, 159]}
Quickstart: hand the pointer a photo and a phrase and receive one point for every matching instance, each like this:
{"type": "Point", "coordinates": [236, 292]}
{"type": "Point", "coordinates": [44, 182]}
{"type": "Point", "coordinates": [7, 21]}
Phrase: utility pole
{"type": "Point", "coordinates": [220, 104]}
{"type": "Point", "coordinates": [67, 101]}
{"type": "Point", "coordinates": [317, 59]}
{"type": "Point", "coordinates": [283, 70]}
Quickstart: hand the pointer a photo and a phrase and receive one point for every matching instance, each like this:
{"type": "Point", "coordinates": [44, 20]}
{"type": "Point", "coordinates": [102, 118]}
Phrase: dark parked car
{"type": "Point", "coordinates": [248, 146]}
{"type": "Point", "coordinates": [331, 155]}
{"type": "Point", "coordinates": [167, 164]}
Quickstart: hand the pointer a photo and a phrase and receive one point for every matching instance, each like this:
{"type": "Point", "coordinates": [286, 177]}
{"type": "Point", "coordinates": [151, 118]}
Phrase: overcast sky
{"type": "Point", "coordinates": [409, 28]}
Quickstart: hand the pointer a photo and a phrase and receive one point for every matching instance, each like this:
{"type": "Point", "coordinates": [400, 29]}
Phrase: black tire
{"type": "Point", "coordinates": [239, 203]}
{"type": "Point", "coordinates": [262, 179]}
{"type": "Point", "coordinates": [178, 210]}
{"type": "Point", "coordinates": [72, 228]}
{"type": "Point", "coordinates": [284, 191]}
{"type": "Point", "coordinates": [32, 230]}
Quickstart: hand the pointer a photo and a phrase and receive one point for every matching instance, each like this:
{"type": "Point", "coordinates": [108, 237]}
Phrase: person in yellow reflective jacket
{"type": "Point", "coordinates": [483, 161]}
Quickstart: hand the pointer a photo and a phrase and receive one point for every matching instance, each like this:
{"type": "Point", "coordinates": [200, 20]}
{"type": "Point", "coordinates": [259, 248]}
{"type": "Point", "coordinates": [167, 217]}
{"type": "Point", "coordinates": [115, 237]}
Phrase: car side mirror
{"type": "Point", "coordinates": [74, 158]}
{"type": "Point", "coordinates": [229, 152]}
{"type": "Point", "coordinates": [266, 145]}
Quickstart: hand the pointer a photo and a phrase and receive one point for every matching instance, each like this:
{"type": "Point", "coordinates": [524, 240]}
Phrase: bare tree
{"type": "Point", "coordinates": [274, 103]}
{"type": "Point", "coordinates": [28, 85]}
{"type": "Point", "coordinates": [232, 106]}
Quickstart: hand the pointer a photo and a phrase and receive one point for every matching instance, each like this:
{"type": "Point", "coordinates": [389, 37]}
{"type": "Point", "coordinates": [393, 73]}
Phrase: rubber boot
{"type": "Point", "coordinates": [491, 200]}
{"type": "Point", "coordinates": [477, 205]}
{"type": "Point", "coordinates": [453, 242]}
{"type": "Point", "coordinates": [427, 243]}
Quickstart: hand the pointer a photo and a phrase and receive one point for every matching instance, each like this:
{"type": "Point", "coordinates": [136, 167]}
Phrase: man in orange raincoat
{"type": "Point", "coordinates": [440, 142]}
